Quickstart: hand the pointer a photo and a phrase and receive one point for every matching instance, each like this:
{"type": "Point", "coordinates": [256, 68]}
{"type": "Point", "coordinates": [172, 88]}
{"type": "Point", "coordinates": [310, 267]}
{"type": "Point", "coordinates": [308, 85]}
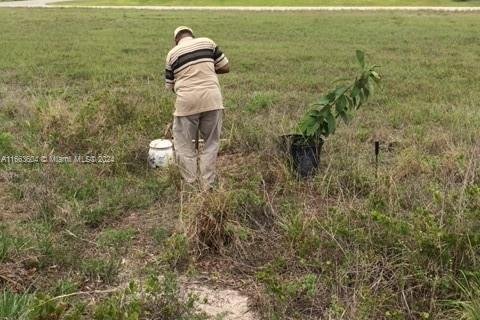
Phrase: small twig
{"type": "Point", "coordinates": [168, 131]}
{"type": "Point", "coordinates": [8, 279]}
{"type": "Point", "coordinates": [267, 196]}
{"type": "Point", "coordinates": [406, 304]}
{"type": "Point", "coordinates": [79, 293]}
{"type": "Point", "coordinates": [335, 239]}
{"type": "Point", "coordinates": [70, 233]}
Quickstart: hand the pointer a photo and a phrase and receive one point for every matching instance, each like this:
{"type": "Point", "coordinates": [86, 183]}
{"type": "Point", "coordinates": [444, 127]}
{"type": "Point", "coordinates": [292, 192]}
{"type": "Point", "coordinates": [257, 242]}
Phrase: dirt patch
{"type": "Point", "coordinates": [221, 303]}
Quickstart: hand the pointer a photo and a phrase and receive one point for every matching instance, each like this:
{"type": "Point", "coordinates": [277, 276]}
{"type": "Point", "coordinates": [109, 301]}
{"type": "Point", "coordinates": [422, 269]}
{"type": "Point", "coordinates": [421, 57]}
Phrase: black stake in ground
{"type": "Point", "coordinates": [377, 152]}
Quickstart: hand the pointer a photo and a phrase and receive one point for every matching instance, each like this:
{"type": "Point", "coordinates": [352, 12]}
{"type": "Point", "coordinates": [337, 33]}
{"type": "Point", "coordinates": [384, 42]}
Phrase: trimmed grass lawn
{"type": "Point", "coordinates": [351, 243]}
{"type": "Point", "coordinates": [282, 2]}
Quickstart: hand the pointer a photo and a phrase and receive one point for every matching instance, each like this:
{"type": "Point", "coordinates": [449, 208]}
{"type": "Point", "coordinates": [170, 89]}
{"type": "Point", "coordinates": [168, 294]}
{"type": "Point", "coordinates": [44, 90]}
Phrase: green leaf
{"type": "Point", "coordinates": [355, 91]}
{"type": "Point", "coordinates": [324, 128]}
{"type": "Point", "coordinates": [362, 98]}
{"type": "Point", "coordinates": [340, 91]}
{"type": "Point", "coordinates": [315, 113]}
{"type": "Point", "coordinates": [331, 122]}
{"type": "Point", "coordinates": [310, 124]}
{"type": "Point", "coordinates": [331, 96]}
{"type": "Point", "coordinates": [366, 93]}
{"type": "Point", "coordinates": [345, 117]}
{"type": "Point", "coordinates": [324, 111]}
{"type": "Point", "coordinates": [341, 104]}
{"type": "Point", "coordinates": [355, 95]}
{"type": "Point", "coordinates": [323, 101]}
{"type": "Point", "coordinates": [370, 87]}
{"type": "Point", "coordinates": [311, 131]}
{"type": "Point", "coordinates": [350, 103]}
{"type": "Point", "coordinates": [361, 58]}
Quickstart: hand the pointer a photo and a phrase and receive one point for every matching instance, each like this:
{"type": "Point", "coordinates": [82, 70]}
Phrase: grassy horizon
{"type": "Point", "coordinates": [354, 242]}
{"type": "Point", "coordinates": [279, 3]}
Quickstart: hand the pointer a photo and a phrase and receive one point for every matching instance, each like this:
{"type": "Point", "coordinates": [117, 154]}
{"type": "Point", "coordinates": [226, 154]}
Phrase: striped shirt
{"type": "Point", "coordinates": [190, 72]}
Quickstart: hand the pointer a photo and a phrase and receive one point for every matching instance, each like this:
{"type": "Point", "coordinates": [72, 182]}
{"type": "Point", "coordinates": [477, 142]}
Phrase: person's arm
{"type": "Point", "coordinates": [169, 77]}
{"type": "Point", "coordinates": [221, 62]}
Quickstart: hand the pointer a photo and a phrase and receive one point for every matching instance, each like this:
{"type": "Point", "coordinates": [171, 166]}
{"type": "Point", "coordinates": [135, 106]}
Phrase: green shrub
{"type": "Point", "coordinates": [125, 305]}
{"type": "Point", "coordinates": [166, 301]}
{"type": "Point", "coordinates": [47, 308]}
{"type": "Point", "coordinates": [175, 251]}
{"type": "Point", "coordinates": [161, 299]}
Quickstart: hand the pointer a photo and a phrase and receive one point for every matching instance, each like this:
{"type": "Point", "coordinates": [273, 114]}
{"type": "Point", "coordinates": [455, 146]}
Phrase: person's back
{"type": "Point", "coordinates": [191, 72]}
{"type": "Point", "coordinates": [192, 64]}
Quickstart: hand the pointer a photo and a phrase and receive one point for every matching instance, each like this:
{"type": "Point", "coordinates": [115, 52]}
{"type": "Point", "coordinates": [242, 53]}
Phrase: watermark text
{"type": "Point", "coordinates": [59, 159]}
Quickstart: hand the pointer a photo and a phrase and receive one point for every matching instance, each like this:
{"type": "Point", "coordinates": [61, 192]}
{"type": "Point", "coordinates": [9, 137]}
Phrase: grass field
{"type": "Point", "coordinates": [349, 244]}
{"type": "Point", "coordinates": [282, 2]}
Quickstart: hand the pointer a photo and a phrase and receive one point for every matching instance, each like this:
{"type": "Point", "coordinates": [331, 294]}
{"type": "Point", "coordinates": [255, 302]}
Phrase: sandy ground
{"type": "Point", "coordinates": [226, 304]}
{"type": "Point", "coordinates": [49, 3]}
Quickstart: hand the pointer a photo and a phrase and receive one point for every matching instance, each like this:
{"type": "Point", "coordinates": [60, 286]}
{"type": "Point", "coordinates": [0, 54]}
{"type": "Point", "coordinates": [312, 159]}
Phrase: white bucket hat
{"type": "Point", "coordinates": [179, 29]}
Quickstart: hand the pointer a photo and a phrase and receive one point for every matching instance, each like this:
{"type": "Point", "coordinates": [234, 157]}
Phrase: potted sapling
{"type": "Point", "coordinates": [320, 121]}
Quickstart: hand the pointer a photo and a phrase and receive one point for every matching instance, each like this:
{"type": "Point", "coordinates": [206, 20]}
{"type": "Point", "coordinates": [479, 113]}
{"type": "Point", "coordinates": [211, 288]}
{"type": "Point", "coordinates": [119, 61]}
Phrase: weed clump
{"type": "Point", "coordinates": [105, 270]}
{"type": "Point", "coordinates": [14, 306]}
{"type": "Point", "coordinates": [175, 253]}
{"type": "Point", "coordinates": [206, 217]}
{"type": "Point", "coordinates": [218, 220]}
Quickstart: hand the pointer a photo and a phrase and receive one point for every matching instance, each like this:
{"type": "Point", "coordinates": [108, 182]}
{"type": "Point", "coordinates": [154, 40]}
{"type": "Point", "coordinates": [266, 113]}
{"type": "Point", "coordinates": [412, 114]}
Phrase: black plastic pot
{"type": "Point", "coordinates": [303, 154]}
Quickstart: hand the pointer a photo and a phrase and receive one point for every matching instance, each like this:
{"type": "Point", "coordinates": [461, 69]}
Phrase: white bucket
{"type": "Point", "coordinates": [160, 153]}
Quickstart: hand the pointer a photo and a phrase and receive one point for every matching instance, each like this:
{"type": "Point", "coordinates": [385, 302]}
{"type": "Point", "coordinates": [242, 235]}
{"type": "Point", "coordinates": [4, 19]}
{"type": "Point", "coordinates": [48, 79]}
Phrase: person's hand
{"type": "Point", "coordinates": [224, 69]}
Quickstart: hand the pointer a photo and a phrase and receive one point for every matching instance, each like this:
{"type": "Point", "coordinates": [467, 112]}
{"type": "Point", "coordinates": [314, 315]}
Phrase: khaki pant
{"type": "Point", "coordinates": [209, 125]}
